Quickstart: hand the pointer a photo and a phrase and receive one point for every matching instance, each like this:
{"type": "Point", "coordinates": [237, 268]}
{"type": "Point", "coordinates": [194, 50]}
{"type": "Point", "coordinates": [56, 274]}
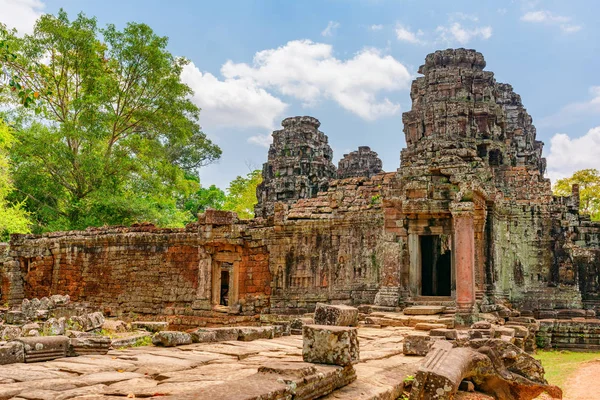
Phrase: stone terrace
{"type": "Point", "coordinates": [155, 372]}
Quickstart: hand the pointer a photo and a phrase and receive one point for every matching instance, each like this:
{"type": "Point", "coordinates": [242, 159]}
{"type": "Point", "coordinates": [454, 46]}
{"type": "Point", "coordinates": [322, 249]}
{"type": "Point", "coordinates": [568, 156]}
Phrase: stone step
{"type": "Point", "coordinates": [424, 310]}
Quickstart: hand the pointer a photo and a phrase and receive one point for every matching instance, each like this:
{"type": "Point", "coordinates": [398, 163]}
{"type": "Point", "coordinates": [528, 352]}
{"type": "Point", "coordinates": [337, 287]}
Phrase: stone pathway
{"type": "Point", "coordinates": [583, 384]}
{"type": "Point", "coordinates": [154, 372]}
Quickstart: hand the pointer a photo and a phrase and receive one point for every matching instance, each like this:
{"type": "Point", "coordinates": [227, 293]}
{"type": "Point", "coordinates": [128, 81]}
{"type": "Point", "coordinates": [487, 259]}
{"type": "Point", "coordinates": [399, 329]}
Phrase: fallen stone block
{"type": "Point", "coordinates": [425, 326]}
{"type": "Point", "coordinates": [44, 348]}
{"type": "Point", "coordinates": [15, 318]}
{"type": "Point", "coordinates": [286, 327]}
{"type": "Point", "coordinates": [418, 345]}
{"type": "Point", "coordinates": [450, 334]}
{"type": "Point", "coordinates": [223, 334]}
{"type": "Point", "coordinates": [60, 300]}
{"type": "Point", "coordinates": [171, 338]}
{"type": "Point", "coordinates": [326, 344]}
{"type": "Point", "coordinates": [129, 341]}
{"type": "Point", "coordinates": [89, 345]}
{"type": "Point", "coordinates": [423, 310]}
{"type": "Point", "coordinates": [481, 325]}
{"type": "Point", "coordinates": [11, 352]}
{"type": "Point", "coordinates": [520, 331]}
{"type": "Point", "coordinates": [54, 326]}
{"type": "Point", "coordinates": [297, 324]}
{"type": "Point", "coordinates": [10, 332]}
{"type": "Point", "coordinates": [503, 331]}
{"type": "Point", "coordinates": [247, 334]}
{"type": "Point", "coordinates": [334, 314]}
{"type": "Point", "coordinates": [199, 336]}
{"type": "Point", "coordinates": [115, 325]}
{"type": "Point", "coordinates": [150, 326]}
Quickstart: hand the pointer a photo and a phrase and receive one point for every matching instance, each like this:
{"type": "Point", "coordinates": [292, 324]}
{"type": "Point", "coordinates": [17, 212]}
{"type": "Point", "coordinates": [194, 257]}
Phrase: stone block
{"type": "Point", "coordinates": [247, 334]}
{"type": "Point", "coordinates": [11, 353]}
{"type": "Point", "coordinates": [171, 338]}
{"type": "Point", "coordinates": [418, 345]}
{"type": "Point", "coordinates": [44, 348]}
{"type": "Point", "coordinates": [200, 336]}
{"type": "Point", "coordinates": [326, 344]}
{"type": "Point", "coordinates": [10, 332]}
{"type": "Point", "coordinates": [15, 317]}
{"type": "Point", "coordinates": [89, 345]}
{"type": "Point", "coordinates": [54, 326]}
{"type": "Point", "coordinates": [222, 334]}
{"type": "Point", "coordinates": [520, 331]}
{"type": "Point", "coordinates": [218, 217]}
{"type": "Point", "coordinates": [426, 326]}
{"type": "Point", "coordinates": [450, 334]}
{"type": "Point", "coordinates": [423, 310]}
{"type": "Point", "coordinates": [150, 326]}
{"type": "Point", "coordinates": [114, 325]}
{"type": "Point", "coordinates": [481, 325]}
{"type": "Point", "coordinates": [336, 314]}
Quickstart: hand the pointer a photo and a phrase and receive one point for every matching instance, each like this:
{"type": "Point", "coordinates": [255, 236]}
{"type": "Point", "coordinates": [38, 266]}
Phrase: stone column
{"type": "Point", "coordinates": [464, 256]}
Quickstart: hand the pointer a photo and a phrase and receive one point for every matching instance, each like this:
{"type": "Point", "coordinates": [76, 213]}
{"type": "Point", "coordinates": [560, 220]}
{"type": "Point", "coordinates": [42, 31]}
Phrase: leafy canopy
{"type": "Point", "coordinates": [589, 190]}
{"type": "Point", "coordinates": [116, 136]}
{"type": "Point", "coordinates": [241, 194]}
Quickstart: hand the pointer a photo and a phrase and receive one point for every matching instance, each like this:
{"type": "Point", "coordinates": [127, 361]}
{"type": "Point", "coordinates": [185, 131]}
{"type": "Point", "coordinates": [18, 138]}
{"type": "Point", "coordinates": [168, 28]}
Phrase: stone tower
{"type": "Point", "coordinates": [363, 162]}
{"type": "Point", "coordinates": [298, 165]}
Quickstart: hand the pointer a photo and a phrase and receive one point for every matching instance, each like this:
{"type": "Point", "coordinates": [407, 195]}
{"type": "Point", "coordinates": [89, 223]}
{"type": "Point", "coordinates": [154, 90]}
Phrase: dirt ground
{"type": "Point", "coordinates": [584, 383]}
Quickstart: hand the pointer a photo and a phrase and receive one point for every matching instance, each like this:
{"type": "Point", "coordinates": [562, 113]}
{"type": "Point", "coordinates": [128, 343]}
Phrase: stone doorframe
{"type": "Point", "coordinates": [420, 227]}
{"type": "Point", "coordinates": [230, 262]}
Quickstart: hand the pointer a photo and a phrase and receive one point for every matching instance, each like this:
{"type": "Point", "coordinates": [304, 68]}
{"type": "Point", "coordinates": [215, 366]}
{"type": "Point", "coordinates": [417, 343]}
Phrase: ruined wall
{"type": "Point", "coordinates": [363, 162]}
{"type": "Point", "coordinates": [144, 269]}
{"type": "Point", "coordinates": [332, 247]}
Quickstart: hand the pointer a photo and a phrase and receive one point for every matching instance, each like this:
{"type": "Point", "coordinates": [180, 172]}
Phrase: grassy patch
{"type": "Point", "coordinates": [144, 341]}
{"type": "Point", "coordinates": [559, 365]}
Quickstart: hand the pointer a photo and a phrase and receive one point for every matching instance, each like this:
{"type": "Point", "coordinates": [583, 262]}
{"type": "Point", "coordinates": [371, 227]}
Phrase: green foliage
{"type": "Point", "coordinates": [376, 199]}
{"type": "Point", "coordinates": [241, 194]}
{"type": "Point", "coordinates": [118, 136]}
{"type": "Point", "coordinates": [589, 190]}
{"type": "Point", "coordinates": [143, 341]}
{"type": "Point", "coordinates": [204, 198]}
{"type": "Point", "coordinates": [13, 218]}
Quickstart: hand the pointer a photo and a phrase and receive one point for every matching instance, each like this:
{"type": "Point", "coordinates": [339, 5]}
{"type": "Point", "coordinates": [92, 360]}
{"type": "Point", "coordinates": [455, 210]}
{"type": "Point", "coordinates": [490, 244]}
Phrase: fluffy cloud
{"type": "Point", "coordinates": [546, 17]}
{"type": "Point", "coordinates": [331, 27]}
{"type": "Point", "coordinates": [232, 102]}
{"type": "Point", "coordinates": [406, 35]}
{"type": "Point", "coordinates": [261, 140]}
{"type": "Point", "coordinates": [20, 14]}
{"type": "Point", "coordinates": [568, 155]}
{"type": "Point", "coordinates": [571, 113]}
{"type": "Point", "coordinates": [455, 32]}
{"type": "Point", "coordinates": [309, 72]}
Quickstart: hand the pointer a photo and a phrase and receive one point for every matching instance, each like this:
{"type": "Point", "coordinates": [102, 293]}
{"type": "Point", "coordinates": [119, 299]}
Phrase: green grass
{"type": "Point", "coordinates": [559, 365]}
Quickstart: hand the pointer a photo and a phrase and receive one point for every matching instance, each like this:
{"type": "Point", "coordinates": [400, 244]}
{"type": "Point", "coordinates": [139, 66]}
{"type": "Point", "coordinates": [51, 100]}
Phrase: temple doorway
{"type": "Point", "coordinates": [224, 292]}
{"type": "Point", "coordinates": [436, 265]}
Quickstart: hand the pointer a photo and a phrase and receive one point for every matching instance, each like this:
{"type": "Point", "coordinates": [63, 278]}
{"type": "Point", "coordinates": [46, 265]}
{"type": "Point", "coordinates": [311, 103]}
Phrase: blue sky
{"type": "Point", "coordinates": [349, 63]}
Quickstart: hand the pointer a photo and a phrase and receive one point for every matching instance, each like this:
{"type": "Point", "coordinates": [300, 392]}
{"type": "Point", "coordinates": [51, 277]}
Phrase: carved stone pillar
{"type": "Point", "coordinates": [464, 255]}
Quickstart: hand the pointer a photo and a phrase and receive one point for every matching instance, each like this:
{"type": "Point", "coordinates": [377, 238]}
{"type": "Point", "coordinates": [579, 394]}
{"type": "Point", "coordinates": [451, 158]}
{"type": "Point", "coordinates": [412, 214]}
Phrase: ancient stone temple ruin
{"type": "Point", "coordinates": [468, 220]}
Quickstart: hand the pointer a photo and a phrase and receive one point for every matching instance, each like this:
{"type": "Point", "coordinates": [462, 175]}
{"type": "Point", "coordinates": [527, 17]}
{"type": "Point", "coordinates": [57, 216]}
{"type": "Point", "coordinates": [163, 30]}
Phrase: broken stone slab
{"type": "Point", "coordinates": [171, 338]}
{"type": "Point", "coordinates": [520, 331]}
{"type": "Point", "coordinates": [44, 348]}
{"type": "Point", "coordinates": [247, 334]}
{"type": "Point", "coordinates": [60, 300]}
{"type": "Point", "coordinates": [130, 340]}
{"type": "Point", "coordinates": [481, 325]}
{"type": "Point", "coordinates": [150, 326]}
{"type": "Point", "coordinates": [11, 352]}
{"type": "Point", "coordinates": [203, 336]}
{"type": "Point", "coordinates": [333, 345]}
{"type": "Point", "coordinates": [424, 310]}
{"type": "Point", "coordinates": [418, 345]}
{"type": "Point", "coordinates": [496, 367]}
{"type": "Point", "coordinates": [297, 324]}
{"type": "Point", "coordinates": [54, 326]}
{"type": "Point", "coordinates": [115, 325]}
{"type": "Point", "coordinates": [93, 345]}
{"type": "Point", "coordinates": [10, 332]}
{"type": "Point", "coordinates": [425, 326]}
{"type": "Point", "coordinates": [336, 314]}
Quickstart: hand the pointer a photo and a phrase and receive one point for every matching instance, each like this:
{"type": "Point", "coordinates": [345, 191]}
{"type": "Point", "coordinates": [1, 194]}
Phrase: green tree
{"type": "Point", "coordinates": [118, 134]}
{"type": "Point", "coordinates": [211, 197]}
{"type": "Point", "coordinates": [13, 218]}
{"type": "Point", "coordinates": [241, 194]}
{"type": "Point", "coordinates": [589, 190]}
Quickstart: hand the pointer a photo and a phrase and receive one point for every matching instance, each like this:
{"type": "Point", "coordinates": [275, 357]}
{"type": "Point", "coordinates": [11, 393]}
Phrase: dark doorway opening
{"type": "Point", "coordinates": [436, 262]}
{"type": "Point", "coordinates": [224, 297]}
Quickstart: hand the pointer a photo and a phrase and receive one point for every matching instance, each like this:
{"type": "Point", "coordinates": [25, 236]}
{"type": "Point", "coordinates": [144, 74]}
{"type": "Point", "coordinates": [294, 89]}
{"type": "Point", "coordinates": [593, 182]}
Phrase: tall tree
{"type": "Point", "coordinates": [118, 133]}
{"type": "Point", "coordinates": [13, 218]}
{"type": "Point", "coordinates": [211, 197]}
{"type": "Point", "coordinates": [589, 190]}
{"type": "Point", "coordinates": [241, 194]}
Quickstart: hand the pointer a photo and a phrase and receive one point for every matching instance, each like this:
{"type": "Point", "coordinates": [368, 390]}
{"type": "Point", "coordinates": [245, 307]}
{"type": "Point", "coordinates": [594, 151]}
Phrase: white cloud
{"type": "Point", "coordinates": [261, 140]}
{"type": "Point", "coordinates": [455, 32]}
{"type": "Point", "coordinates": [406, 35]}
{"type": "Point", "coordinates": [20, 14]}
{"type": "Point", "coordinates": [548, 18]}
{"type": "Point", "coordinates": [331, 27]}
{"type": "Point", "coordinates": [573, 112]}
{"type": "Point", "coordinates": [376, 27]}
{"type": "Point", "coordinates": [309, 72]}
{"type": "Point", "coordinates": [568, 155]}
{"type": "Point", "coordinates": [232, 102]}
